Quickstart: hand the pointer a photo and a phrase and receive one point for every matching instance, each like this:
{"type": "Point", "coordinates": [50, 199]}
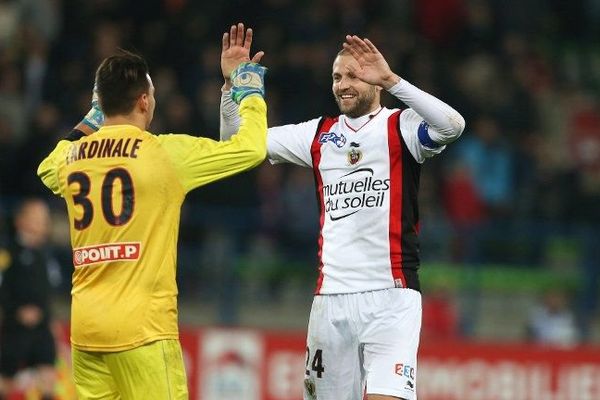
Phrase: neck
{"type": "Point", "coordinates": [29, 240]}
{"type": "Point", "coordinates": [373, 110]}
{"type": "Point", "coordinates": [131, 119]}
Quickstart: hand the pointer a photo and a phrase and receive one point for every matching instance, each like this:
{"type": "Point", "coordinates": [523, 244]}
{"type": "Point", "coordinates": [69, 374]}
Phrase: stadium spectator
{"type": "Point", "coordinates": [552, 321]}
{"type": "Point", "coordinates": [124, 188]}
{"type": "Point", "coordinates": [440, 314]}
{"type": "Point", "coordinates": [366, 315]}
{"type": "Point", "coordinates": [28, 269]}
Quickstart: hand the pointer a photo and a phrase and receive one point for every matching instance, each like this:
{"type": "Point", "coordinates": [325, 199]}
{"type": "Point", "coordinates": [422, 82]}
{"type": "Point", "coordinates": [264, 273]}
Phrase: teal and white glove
{"type": "Point", "coordinates": [95, 117]}
{"type": "Point", "coordinates": [248, 79]}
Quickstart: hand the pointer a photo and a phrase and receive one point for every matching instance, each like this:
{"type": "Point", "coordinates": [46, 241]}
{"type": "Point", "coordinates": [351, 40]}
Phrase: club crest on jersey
{"type": "Point", "coordinates": [339, 141]}
{"type": "Point", "coordinates": [354, 156]}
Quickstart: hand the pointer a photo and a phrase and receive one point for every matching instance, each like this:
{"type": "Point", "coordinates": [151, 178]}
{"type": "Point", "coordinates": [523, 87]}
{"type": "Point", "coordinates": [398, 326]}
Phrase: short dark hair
{"type": "Point", "coordinates": [121, 79]}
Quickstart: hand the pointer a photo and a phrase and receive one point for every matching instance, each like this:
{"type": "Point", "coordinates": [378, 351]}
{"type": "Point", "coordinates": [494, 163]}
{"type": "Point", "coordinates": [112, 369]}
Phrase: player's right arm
{"type": "Point", "coordinates": [429, 124]}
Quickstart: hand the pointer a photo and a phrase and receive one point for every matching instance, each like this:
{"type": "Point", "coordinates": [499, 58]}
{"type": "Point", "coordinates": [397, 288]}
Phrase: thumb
{"type": "Point", "coordinates": [258, 56]}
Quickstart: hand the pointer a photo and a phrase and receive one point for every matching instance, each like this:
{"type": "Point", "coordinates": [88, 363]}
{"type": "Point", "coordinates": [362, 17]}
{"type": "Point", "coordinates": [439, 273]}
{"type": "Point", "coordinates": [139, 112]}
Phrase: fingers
{"type": "Point", "coordinates": [358, 45]}
{"type": "Point", "coordinates": [258, 56]}
{"type": "Point", "coordinates": [248, 38]}
{"type": "Point", "coordinates": [239, 40]}
{"type": "Point", "coordinates": [232, 35]}
{"type": "Point", "coordinates": [371, 46]}
{"type": "Point", "coordinates": [237, 37]}
{"type": "Point", "coordinates": [351, 50]}
{"type": "Point", "coordinates": [225, 42]}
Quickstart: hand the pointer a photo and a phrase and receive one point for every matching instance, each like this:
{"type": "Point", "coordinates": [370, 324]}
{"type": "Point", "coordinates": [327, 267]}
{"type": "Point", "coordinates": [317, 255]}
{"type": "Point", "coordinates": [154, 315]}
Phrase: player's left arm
{"type": "Point", "coordinates": [235, 49]}
{"type": "Point", "coordinates": [429, 124]}
{"type": "Point", "coordinates": [199, 161]}
{"type": "Point", "coordinates": [91, 122]}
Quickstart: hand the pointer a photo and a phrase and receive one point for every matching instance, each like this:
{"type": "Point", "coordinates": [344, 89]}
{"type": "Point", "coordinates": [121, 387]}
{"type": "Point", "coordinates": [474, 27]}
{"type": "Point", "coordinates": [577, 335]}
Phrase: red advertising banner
{"type": "Point", "coordinates": [228, 364]}
{"type": "Point", "coordinates": [471, 371]}
{"type": "Point", "coordinates": [267, 365]}
{"type": "Point", "coordinates": [248, 364]}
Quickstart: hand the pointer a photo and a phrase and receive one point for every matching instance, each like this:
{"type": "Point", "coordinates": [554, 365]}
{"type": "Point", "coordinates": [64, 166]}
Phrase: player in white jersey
{"type": "Point", "coordinates": [365, 321]}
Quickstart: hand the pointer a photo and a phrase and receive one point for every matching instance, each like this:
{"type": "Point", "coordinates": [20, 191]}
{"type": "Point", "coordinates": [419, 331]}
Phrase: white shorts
{"type": "Point", "coordinates": [363, 343]}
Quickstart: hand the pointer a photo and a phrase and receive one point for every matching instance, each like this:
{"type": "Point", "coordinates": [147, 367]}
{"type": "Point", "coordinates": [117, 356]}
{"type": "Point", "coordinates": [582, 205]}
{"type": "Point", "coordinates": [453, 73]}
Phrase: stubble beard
{"type": "Point", "coordinates": [361, 106]}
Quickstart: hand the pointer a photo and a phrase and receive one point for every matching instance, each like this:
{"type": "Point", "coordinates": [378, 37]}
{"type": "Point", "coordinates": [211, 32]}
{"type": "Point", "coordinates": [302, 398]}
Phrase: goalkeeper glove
{"type": "Point", "coordinates": [95, 117]}
{"type": "Point", "coordinates": [247, 80]}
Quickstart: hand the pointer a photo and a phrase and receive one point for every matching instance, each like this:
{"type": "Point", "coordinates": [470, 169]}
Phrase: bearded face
{"type": "Point", "coordinates": [354, 103]}
{"type": "Point", "coordinates": [354, 97]}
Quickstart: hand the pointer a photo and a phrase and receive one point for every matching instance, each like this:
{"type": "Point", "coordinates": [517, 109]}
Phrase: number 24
{"type": "Point", "coordinates": [317, 362]}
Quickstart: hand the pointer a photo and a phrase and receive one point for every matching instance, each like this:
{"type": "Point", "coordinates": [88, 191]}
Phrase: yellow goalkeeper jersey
{"type": "Point", "coordinates": [124, 188]}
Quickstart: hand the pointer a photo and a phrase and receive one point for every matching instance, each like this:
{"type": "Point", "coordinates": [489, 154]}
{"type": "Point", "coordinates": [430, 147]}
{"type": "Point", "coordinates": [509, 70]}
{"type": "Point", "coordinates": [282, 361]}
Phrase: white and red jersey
{"type": "Point", "coordinates": [367, 183]}
{"type": "Point", "coordinates": [367, 177]}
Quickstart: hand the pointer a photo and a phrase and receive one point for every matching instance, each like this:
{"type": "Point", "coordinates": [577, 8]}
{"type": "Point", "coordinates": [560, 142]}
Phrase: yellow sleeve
{"type": "Point", "coordinates": [48, 168]}
{"type": "Point", "coordinates": [199, 161]}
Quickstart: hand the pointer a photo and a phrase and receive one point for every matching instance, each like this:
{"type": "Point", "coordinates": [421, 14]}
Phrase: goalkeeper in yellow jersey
{"type": "Point", "coordinates": [124, 188]}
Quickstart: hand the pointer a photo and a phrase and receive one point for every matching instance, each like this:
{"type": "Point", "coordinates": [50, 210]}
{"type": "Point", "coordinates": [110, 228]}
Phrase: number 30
{"type": "Point", "coordinates": [85, 186]}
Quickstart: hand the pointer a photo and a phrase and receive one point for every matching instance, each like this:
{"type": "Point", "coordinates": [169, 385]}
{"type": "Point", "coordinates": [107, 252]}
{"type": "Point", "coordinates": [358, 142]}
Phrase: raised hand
{"type": "Point", "coordinates": [248, 79]}
{"type": "Point", "coordinates": [94, 119]}
{"type": "Point", "coordinates": [373, 68]}
{"type": "Point", "coordinates": [236, 49]}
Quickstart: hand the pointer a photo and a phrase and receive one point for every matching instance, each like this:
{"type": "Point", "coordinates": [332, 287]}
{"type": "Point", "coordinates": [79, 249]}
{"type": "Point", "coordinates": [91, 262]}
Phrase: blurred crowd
{"type": "Point", "coordinates": [521, 187]}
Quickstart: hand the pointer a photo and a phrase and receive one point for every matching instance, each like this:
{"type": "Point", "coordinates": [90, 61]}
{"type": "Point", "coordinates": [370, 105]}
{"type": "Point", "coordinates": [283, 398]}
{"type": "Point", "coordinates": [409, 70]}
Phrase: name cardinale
{"type": "Point", "coordinates": [104, 148]}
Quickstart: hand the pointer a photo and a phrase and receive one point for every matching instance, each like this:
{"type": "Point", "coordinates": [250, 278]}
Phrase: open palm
{"type": "Point", "coordinates": [236, 49]}
{"type": "Point", "coordinates": [373, 68]}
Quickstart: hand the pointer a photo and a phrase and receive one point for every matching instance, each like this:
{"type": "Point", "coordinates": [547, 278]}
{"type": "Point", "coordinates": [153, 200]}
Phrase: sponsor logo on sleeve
{"type": "Point", "coordinates": [89, 255]}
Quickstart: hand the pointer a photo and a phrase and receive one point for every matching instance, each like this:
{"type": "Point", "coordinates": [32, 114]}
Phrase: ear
{"type": "Point", "coordinates": [143, 102]}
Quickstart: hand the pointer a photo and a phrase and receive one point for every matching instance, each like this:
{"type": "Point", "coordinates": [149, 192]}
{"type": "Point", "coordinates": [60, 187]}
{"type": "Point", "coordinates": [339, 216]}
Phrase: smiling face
{"type": "Point", "coordinates": [354, 97]}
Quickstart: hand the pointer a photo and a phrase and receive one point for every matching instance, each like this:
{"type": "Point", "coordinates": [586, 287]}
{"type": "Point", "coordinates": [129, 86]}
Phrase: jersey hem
{"type": "Point", "coordinates": [411, 281]}
{"type": "Point", "coordinates": [123, 347]}
{"type": "Point", "coordinates": [365, 291]}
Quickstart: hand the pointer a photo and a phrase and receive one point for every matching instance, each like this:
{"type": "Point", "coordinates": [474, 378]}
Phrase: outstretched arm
{"type": "Point", "coordinates": [445, 124]}
{"type": "Point", "coordinates": [235, 49]}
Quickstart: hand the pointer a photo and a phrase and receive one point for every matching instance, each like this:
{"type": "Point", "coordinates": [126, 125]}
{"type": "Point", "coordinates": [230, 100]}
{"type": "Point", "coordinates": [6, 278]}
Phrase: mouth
{"type": "Point", "coordinates": [346, 97]}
